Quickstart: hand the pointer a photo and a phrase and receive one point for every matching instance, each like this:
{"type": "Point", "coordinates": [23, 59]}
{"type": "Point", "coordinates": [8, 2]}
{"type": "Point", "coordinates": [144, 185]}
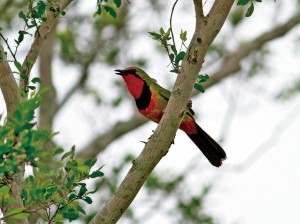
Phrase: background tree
{"type": "Point", "coordinates": [78, 59]}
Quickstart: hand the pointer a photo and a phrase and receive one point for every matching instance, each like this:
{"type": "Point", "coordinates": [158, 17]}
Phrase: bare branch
{"type": "Point", "coordinates": [171, 17]}
{"type": "Point", "coordinates": [164, 134]}
{"type": "Point", "coordinates": [118, 130]}
{"type": "Point", "coordinates": [49, 104]}
{"type": "Point", "coordinates": [8, 84]}
{"type": "Point", "coordinates": [199, 9]}
{"type": "Point", "coordinates": [231, 64]}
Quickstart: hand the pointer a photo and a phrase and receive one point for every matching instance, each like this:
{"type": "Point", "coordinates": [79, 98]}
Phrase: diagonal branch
{"type": "Point", "coordinates": [102, 141]}
{"type": "Point", "coordinates": [164, 134]}
{"type": "Point", "coordinates": [33, 53]}
{"type": "Point", "coordinates": [231, 63]}
{"type": "Point", "coordinates": [11, 95]}
{"type": "Point", "coordinates": [8, 84]}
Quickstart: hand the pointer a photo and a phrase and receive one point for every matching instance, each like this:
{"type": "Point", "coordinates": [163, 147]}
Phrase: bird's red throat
{"type": "Point", "coordinates": [134, 85]}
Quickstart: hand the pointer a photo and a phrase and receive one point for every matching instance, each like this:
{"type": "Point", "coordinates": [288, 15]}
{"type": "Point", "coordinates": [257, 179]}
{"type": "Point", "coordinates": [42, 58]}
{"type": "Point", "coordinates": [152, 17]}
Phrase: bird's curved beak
{"type": "Point", "coordinates": [120, 72]}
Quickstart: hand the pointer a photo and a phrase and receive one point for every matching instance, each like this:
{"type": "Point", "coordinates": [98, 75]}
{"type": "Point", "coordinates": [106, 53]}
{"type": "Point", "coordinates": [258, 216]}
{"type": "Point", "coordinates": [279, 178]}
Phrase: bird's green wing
{"type": "Point", "coordinates": [166, 95]}
{"type": "Point", "coordinates": [163, 92]}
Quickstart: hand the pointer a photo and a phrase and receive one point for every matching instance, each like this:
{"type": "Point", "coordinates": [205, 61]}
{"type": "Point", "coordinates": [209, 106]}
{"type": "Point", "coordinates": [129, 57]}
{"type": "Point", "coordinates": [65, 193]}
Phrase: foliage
{"type": "Point", "coordinates": [175, 56]}
{"type": "Point", "coordinates": [250, 9]}
{"type": "Point", "coordinates": [101, 6]}
{"type": "Point", "coordinates": [57, 192]}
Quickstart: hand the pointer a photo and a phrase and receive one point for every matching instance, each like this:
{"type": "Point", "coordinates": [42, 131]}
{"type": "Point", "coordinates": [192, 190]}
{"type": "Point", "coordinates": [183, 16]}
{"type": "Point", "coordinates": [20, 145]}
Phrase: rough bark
{"type": "Point", "coordinates": [206, 30]}
{"type": "Point", "coordinates": [8, 84]}
{"type": "Point", "coordinates": [11, 96]}
{"type": "Point", "coordinates": [49, 103]}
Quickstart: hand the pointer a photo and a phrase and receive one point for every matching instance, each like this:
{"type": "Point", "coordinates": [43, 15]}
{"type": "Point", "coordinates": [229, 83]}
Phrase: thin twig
{"type": "Point", "coordinates": [7, 44]}
{"type": "Point", "coordinates": [171, 17]}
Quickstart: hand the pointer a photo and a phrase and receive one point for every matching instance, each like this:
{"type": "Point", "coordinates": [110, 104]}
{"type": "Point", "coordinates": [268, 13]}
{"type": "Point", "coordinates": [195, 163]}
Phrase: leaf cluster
{"type": "Point", "coordinates": [56, 190]}
{"type": "Point", "coordinates": [166, 39]}
{"type": "Point", "coordinates": [103, 6]}
{"type": "Point", "coordinates": [250, 9]}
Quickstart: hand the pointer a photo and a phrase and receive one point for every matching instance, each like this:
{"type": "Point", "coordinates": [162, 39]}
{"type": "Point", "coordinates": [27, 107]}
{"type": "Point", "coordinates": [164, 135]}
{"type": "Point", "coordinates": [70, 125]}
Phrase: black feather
{"type": "Point", "coordinates": [144, 100]}
{"type": "Point", "coordinates": [209, 147]}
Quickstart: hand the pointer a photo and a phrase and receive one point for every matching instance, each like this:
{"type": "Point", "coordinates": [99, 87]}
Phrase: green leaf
{"type": "Point", "coordinates": [58, 150]}
{"type": "Point", "coordinates": [90, 162]}
{"type": "Point", "coordinates": [155, 36]}
{"type": "Point", "coordinates": [258, 0]}
{"type": "Point", "coordinates": [70, 216]}
{"type": "Point", "coordinates": [250, 10]}
{"type": "Point", "coordinates": [161, 30]}
{"type": "Point", "coordinates": [14, 211]}
{"type": "Point", "coordinates": [80, 209]}
{"type": "Point", "coordinates": [88, 200]}
{"type": "Point", "coordinates": [173, 47]}
{"type": "Point", "coordinates": [117, 3]}
{"type": "Point", "coordinates": [96, 173]}
{"type": "Point", "coordinates": [72, 196]}
{"type": "Point", "coordinates": [202, 78]}
{"type": "Point", "coordinates": [199, 87]}
{"type": "Point", "coordinates": [21, 36]}
{"type": "Point", "coordinates": [36, 80]}
{"type": "Point", "coordinates": [23, 16]}
{"type": "Point", "coordinates": [70, 153]}
{"type": "Point", "coordinates": [41, 8]}
{"type": "Point", "coordinates": [18, 66]}
{"type": "Point", "coordinates": [243, 2]}
{"type": "Point", "coordinates": [1, 28]}
{"type": "Point", "coordinates": [4, 190]}
{"type": "Point", "coordinates": [110, 10]}
{"type": "Point", "coordinates": [32, 87]}
{"type": "Point", "coordinates": [171, 57]}
{"type": "Point", "coordinates": [20, 216]}
{"type": "Point", "coordinates": [179, 57]}
{"type": "Point", "coordinates": [82, 191]}
{"type": "Point", "coordinates": [183, 36]}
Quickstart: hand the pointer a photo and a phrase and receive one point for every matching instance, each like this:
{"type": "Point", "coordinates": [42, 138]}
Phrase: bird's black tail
{"type": "Point", "coordinates": [209, 147]}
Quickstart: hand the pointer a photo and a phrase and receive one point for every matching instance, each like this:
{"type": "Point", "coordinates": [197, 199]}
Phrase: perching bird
{"type": "Point", "coordinates": [151, 100]}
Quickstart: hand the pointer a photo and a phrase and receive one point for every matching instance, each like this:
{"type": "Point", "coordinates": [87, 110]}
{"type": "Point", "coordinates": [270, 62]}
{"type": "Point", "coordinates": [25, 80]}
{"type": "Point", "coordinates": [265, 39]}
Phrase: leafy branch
{"type": "Point", "coordinates": [62, 188]}
{"type": "Point", "coordinates": [107, 8]}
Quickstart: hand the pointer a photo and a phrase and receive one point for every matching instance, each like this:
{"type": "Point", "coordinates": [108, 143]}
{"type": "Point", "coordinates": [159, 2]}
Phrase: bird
{"type": "Point", "coordinates": [151, 100]}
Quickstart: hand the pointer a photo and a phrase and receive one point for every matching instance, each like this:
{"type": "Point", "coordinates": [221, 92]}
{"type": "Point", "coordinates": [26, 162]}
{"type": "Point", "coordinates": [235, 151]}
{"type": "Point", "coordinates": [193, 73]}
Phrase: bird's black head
{"type": "Point", "coordinates": [126, 71]}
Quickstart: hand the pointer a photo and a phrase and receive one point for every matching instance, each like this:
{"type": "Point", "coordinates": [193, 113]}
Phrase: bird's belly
{"type": "Point", "coordinates": [154, 111]}
{"type": "Point", "coordinates": [154, 114]}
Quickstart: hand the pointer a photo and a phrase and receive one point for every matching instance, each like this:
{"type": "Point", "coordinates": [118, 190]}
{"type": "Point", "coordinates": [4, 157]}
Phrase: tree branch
{"type": "Point", "coordinates": [231, 63]}
{"type": "Point", "coordinates": [8, 84]}
{"type": "Point", "coordinates": [11, 95]}
{"type": "Point", "coordinates": [52, 16]}
{"type": "Point", "coordinates": [118, 130]}
{"type": "Point", "coordinates": [49, 103]}
{"type": "Point", "coordinates": [164, 134]}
